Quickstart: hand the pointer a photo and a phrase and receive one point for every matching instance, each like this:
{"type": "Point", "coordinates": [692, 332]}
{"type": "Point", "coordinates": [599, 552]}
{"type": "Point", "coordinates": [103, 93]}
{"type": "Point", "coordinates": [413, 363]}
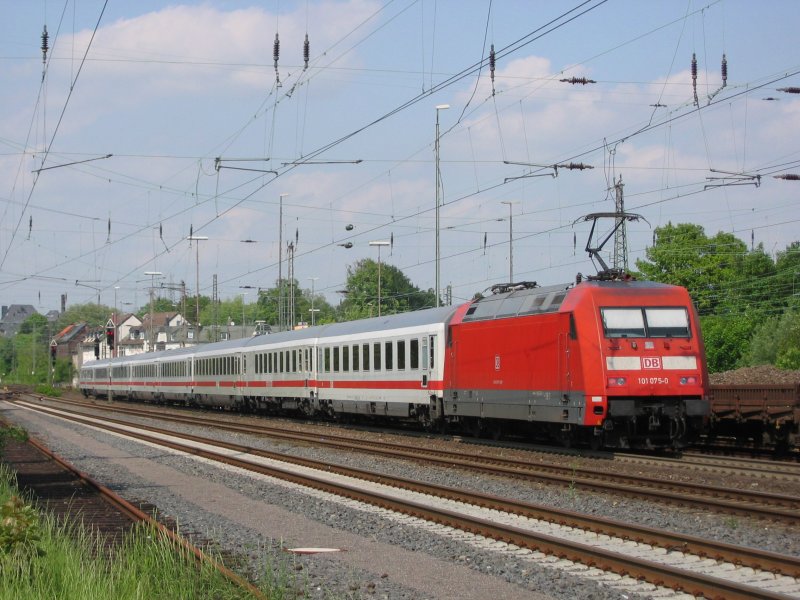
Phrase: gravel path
{"type": "Point", "coordinates": [258, 518]}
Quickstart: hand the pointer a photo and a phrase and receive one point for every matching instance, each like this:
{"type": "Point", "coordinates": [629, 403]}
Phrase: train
{"type": "Point", "coordinates": [614, 363]}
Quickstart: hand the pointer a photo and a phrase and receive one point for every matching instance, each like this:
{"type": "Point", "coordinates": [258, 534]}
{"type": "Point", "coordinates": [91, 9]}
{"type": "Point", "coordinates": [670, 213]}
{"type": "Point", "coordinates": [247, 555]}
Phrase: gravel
{"type": "Point", "coordinates": [760, 375]}
{"type": "Point", "coordinates": [323, 577]}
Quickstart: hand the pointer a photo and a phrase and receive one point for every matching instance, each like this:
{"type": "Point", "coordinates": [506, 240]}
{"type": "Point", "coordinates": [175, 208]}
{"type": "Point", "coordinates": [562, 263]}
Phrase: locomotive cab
{"type": "Point", "coordinates": [651, 376]}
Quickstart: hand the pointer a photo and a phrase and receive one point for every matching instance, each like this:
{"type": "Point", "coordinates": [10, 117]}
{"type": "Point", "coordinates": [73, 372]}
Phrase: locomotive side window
{"type": "Point", "coordinates": [667, 322]}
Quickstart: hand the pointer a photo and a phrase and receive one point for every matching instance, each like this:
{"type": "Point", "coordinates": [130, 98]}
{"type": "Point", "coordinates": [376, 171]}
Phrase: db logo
{"type": "Point", "coordinates": [496, 362]}
{"type": "Point", "coordinates": [651, 362]}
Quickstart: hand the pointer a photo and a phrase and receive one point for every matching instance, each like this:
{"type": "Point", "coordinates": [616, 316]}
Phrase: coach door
{"type": "Point", "coordinates": [428, 363]}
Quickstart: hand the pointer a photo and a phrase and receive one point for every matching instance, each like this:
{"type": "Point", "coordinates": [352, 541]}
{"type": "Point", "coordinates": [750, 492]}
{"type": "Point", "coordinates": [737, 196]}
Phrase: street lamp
{"type": "Point", "coordinates": [243, 323]}
{"type": "Point", "coordinates": [280, 262]}
{"type": "Point", "coordinates": [510, 241]}
{"type": "Point", "coordinates": [153, 275]}
{"type": "Point", "coordinates": [438, 185]}
{"type": "Point", "coordinates": [380, 243]}
{"type": "Point", "coordinates": [313, 310]}
{"type": "Point", "coordinates": [116, 322]}
{"type": "Point", "coordinates": [198, 238]}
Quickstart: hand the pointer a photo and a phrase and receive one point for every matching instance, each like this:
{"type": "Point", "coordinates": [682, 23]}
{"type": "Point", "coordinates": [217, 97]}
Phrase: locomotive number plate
{"type": "Point", "coordinates": [653, 380]}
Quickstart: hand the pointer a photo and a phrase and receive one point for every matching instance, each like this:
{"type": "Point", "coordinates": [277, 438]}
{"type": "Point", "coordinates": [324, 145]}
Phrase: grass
{"type": "Point", "coordinates": [42, 558]}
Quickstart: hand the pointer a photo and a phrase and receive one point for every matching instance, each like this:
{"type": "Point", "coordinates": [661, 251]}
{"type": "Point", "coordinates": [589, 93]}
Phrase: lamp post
{"type": "Point", "coordinates": [313, 310]}
{"type": "Point", "coordinates": [438, 186]}
{"type": "Point", "coordinates": [243, 323]}
{"type": "Point", "coordinates": [153, 275]}
{"type": "Point", "coordinates": [379, 244]}
{"type": "Point", "coordinates": [510, 241]}
{"type": "Point", "coordinates": [116, 322]}
{"type": "Point", "coordinates": [197, 238]}
{"type": "Point", "coordinates": [280, 262]}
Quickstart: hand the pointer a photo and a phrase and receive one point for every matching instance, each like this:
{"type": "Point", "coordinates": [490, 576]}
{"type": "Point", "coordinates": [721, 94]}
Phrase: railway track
{"type": "Point", "coordinates": [747, 503]}
{"type": "Point", "coordinates": [71, 495]}
{"type": "Point", "coordinates": [697, 566]}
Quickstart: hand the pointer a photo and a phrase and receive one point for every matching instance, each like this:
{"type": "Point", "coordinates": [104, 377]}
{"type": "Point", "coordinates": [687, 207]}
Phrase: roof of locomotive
{"type": "Point", "coordinates": [546, 299]}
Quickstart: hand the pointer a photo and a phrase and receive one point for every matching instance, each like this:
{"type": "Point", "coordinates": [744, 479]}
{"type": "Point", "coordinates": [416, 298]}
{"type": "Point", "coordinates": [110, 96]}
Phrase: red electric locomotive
{"type": "Point", "coordinates": [615, 363]}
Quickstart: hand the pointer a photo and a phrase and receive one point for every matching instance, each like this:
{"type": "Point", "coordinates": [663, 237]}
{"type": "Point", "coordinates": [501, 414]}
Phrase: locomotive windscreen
{"type": "Point", "coordinates": [640, 322]}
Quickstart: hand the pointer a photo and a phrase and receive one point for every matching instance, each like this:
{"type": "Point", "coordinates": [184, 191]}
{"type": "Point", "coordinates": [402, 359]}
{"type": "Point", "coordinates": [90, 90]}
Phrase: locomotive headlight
{"type": "Point", "coordinates": [688, 380]}
{"type": "Point", "coordinates": [617, 381]}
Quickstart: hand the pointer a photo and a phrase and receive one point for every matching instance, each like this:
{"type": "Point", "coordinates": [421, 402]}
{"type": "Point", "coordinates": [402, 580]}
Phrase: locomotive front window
{"type": "Point", "coordinates": [652, 322]}
{"type": "Point", "coordinates": [623, 322]}
{"type": "Point", "coordinates": [667, 322]}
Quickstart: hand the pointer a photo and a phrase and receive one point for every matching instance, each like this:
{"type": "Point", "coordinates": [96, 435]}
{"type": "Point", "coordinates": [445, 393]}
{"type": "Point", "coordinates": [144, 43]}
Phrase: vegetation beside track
{"type": "Point", "coordinates": [44, 557]}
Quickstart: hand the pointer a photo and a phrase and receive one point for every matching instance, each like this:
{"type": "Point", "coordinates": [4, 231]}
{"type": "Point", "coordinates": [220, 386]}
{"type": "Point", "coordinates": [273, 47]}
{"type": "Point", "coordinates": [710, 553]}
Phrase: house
{"type": "Point", "coordinates": [135, 336]}
{"type": "Point", "coordinates": [68, 341]}
{"type": "Point", "coordinates": [13, 317]}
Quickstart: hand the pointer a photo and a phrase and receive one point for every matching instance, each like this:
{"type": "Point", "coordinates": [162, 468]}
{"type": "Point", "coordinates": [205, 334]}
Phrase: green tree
{"type": "Point", "coordinates": [727, 339]}
{"type": "Point", "coordinates": [776, 341]}
{"type": "Point", "coordinates": [398, 294]}
{"type": "Point", "coordinates": [721, 274]}
{"type": "Point", "coordinates": [787, 276]}
{"type": "Point", "coordinates": [94, 315]}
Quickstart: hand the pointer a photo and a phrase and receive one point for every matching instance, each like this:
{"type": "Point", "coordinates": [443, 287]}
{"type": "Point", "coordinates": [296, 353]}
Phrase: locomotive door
{"type": "Point", "coordinates": [564, 374]}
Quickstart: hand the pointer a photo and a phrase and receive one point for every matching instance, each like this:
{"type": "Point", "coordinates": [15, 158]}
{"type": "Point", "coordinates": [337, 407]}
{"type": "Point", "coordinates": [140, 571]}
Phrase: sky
{"type": "Point", "coordinates": [150, 122]}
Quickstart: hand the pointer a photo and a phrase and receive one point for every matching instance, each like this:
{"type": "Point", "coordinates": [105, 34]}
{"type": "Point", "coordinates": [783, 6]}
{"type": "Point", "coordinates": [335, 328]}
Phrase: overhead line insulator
{"type": "Point", "coordinates": [724, 70]}
{"type": "Point", "coordinates": [790, 90]}
{"type": "Point", "coordinates": [276, 52]}
{"type": "Point", "coordinates": [576, 80]}
{"type": "Point", "coordinates": [492, 64]}
{"type": "Point", "coordinates": [694, 78]}
{"type": "Point", "coordinates": [306, 52]}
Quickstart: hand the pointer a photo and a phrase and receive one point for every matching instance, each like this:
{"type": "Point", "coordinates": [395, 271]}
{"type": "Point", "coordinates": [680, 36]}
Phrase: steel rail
{"type": "Point", "coordinates": [744, 503]}
{"type": "Point", "coordinates": [756, 559]}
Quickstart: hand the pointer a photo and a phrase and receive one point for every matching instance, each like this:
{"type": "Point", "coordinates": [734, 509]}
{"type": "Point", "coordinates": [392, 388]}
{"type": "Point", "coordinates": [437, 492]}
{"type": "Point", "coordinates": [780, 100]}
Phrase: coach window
{"type": "Point", "coordinates": [414, 354]}
{"type": "Point", "coordinates": [345, 359]}
{"type": "Point", "coordinates": [294, 361]}
{"type": "Point", "coordinates": [376, 356]}
{"type": "Point", "coordinates": [327, 360]}
{"type": "Point", "coordinates": [336, 359]}
{"type": "Point", "coordinates": [365, 356]}
{"type": "Point", "coordinates": [388, 356]}
{"type": "Point", "coordinates": [307, 359]}
{"type": "Point", "coordinates": [401, 355]}
{"type": "Point", "coordinates": [355, 358]}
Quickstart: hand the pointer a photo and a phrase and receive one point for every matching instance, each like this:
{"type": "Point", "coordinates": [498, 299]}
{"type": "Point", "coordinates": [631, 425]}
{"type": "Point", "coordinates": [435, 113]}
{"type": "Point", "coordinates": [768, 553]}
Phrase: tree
{"type": "Point", "coordinates": [94, 315]}
{"type": "Point", "coordinates": [398, 294]}
{"type": "Point", "coordinates": [777, 342]}
{"type": "Point", "coordinates": [726, 339]}
{"type": "Point", "coordinates": [719, 272]}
